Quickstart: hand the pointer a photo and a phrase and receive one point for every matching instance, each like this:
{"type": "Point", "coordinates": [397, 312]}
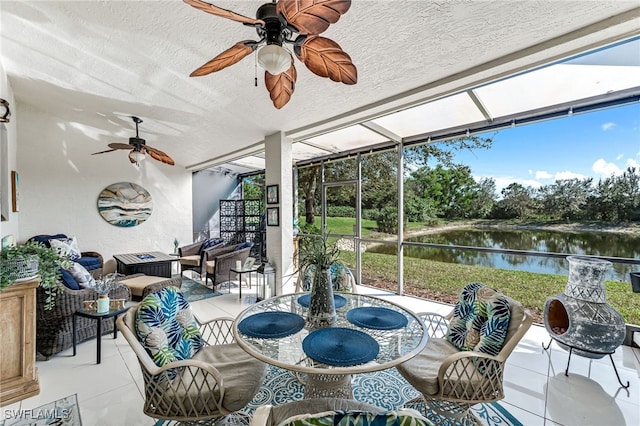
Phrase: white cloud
{"type": "Point", "coordinates": [530, 171]}
{"type": "Point", "coordinates": [542, 174]}
{"type": "Point", "coordinates": [568, 175]}
{"type": "Point", "coordinates": [620, 157]}
{"type": "Point", "coordinates": [605, 169]}
{"type": "Point", "coordinates": [607, 126]}
{"type": "Point", "coordinates": [632, 163]}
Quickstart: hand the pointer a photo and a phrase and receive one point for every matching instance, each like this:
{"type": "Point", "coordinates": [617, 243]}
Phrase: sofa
{"type": "Point", "coordinates": [54, 327]}
{"type": "Point", "coordinates": [92, 261]}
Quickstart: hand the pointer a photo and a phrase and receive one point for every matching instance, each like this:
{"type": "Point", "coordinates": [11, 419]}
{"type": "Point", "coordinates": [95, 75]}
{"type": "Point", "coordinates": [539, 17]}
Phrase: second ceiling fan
{"type": "Point", "coordinates": [276, 24]}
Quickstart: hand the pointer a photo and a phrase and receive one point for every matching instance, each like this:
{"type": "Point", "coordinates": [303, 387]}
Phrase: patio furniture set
{"type": "Point", "coordinates": [214, 369]}
{"type": "Point", "coordinates": [69, 323]}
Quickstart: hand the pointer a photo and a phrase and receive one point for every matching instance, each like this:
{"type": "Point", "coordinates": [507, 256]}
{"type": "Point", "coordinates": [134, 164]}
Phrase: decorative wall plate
{"type": "Point", "coordinates": [125, 204]}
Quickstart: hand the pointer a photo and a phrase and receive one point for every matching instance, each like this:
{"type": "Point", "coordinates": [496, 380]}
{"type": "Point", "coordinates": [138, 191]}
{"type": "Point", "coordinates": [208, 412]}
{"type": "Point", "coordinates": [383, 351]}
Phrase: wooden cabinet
{"type": "Point", "coordinates": [18, 372]}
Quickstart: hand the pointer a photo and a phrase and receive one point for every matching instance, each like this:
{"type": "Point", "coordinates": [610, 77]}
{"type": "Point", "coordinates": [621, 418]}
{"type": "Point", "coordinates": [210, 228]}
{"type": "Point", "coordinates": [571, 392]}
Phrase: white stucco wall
{"type": "Point", "coordinates": [9, 227]}
{"type": "Point", "coordinates": [60, 182]}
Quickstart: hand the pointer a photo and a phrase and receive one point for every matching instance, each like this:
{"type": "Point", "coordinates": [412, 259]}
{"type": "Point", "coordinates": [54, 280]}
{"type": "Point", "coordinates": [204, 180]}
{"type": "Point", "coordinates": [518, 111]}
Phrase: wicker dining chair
{"type": "Point", "coordinates": [452, 380]}
{"type": "Point", "coordinates": [203, 374]}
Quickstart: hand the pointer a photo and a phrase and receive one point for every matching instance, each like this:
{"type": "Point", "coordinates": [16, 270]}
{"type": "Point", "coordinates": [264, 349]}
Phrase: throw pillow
{"type": "Point", "coordinates": [480, 320]}
{"type": "Point", "coordinates": [211, 242]}
{"type": "Point", "coordinates": [401, 417]}
{"type": "Point", "coordinates": [242, 246]}
{"type": "Point", "coordinates": [81, 275]}
{"type": "Point", "coordinates": [66, 246]}
{"type": "Point", "coordinates": [166, 327]}
{"type": "Point", "coordinates": [68, 280]}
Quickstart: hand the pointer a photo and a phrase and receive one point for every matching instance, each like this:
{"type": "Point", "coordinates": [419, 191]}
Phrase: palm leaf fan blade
{"type": "Point", "coordinates": [281, 86]}
{"type": "Point", "coordinates": [325, 57]}
{"type": "Point", "coordinates": [159, 155]}
{"type": "Point", "coordinates": [312, 16]}
{"type": "Point", "coordinates": [233, 55]}
{"type": "Point", "coordinates": [223, 13]}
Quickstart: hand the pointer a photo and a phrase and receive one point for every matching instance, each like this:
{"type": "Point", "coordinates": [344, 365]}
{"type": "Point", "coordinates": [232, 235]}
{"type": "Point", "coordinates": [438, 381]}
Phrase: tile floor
{"type": "Point", "coordinates": [537, 391]}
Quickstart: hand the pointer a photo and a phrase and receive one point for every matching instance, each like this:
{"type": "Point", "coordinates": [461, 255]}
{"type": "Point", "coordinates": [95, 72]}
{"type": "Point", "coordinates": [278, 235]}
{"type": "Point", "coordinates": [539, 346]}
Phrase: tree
{"type": "Point", "coordinates": [451, 191]}
{"type": "Point", "coordinates": [566, 199]}
{"type": "Point", "coordinates": [517, 202]}
{"type": "Point", "coordinates": [619, 196]}
{"type": "Point", "coordinates": [485, 198]}
{"type": "Point", "coordinates": [379, 171]}
{"type": "Point", "coordinates": [307, 184]}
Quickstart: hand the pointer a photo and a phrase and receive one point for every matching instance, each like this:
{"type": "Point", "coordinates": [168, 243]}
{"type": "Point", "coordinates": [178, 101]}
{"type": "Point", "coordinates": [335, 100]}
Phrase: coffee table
{"type": "Point", "coordinates": [148, 263]}
{"type": "Point", "coordinates": [91, 314]}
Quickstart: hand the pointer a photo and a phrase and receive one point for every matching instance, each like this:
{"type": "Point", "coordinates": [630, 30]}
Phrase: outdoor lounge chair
{"type": "Point", "coordinates": [192, 372]}
{"type": "Point", "coordinates": [191, 255]}
{"type": "Point", "coordinates": [330, 411]}
{"type": "Point", "coordinates": [450, 379]}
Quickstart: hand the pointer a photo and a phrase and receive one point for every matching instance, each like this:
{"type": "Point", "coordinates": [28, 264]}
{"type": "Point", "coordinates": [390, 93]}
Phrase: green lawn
{"type": "Point", "coordinates": [443, 281]}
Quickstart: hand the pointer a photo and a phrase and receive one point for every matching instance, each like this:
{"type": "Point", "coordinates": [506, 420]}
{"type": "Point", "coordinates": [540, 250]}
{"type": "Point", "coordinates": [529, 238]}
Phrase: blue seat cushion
{"type": "Point", "coordinates": [44, 239]}
{"type": "Point", "coordinates": [89, 263]}
{"type": "Point", "coordinates": [68, 280]}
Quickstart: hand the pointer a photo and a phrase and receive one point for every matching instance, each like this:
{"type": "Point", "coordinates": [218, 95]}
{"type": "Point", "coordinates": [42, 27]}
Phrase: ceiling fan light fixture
{"type": "Point", "coordinates": [273, 58]}
{"type": "Point", "coordinates": [137, 156]}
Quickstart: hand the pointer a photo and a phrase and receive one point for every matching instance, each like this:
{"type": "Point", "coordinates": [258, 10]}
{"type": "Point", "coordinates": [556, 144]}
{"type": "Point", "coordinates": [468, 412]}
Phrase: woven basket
{"type": "Point", "coordinates": [23, 269]}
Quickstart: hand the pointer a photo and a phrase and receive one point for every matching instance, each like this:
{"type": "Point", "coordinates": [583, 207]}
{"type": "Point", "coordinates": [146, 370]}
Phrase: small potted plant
{"type": "Point", "coordinates": [319, 253]}
{"type": "Point", "coordinates": [103, 286]}
{"type": "Point", "coordinates": [26, 261]}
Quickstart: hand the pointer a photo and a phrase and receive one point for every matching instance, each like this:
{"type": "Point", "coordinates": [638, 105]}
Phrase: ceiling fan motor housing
{"type": "Point", "coordinates": [136, 141]}
{"type": "Point", "coordinates": [274, 24]}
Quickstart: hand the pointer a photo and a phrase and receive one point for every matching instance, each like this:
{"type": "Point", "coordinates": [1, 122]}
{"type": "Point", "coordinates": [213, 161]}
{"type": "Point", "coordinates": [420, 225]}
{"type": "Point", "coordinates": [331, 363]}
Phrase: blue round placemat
{"type": "Point", "coordinates": [377, 318]}
{"type": "Point", "coordinates": [338, 301]}
{"type": "Point", "coordinates": [271, 324]}
{"type": "Point", "coordinates": [340, 346]}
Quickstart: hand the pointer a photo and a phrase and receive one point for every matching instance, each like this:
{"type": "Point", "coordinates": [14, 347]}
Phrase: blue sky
{"type": "Point", "coordinates": [596, 144]}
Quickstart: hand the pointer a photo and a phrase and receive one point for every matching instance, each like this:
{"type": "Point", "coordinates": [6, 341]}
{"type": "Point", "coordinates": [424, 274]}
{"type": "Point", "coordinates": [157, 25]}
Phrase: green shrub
{"type": "Point", "coordinates": [341, 211]}
{"type": "Point", "coordinates": [387, 220]}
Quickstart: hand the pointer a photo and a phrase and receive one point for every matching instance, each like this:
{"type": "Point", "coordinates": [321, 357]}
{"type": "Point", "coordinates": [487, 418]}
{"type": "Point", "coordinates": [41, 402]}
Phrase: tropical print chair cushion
{"type": "Point", "coordinates": [401, 417]}
{"type": "Point", "coordinates": [480, 320]}
{"type": "Point", "coordinates": [166, 327]}
{"type": "Point", "coordinates": [341, 277]}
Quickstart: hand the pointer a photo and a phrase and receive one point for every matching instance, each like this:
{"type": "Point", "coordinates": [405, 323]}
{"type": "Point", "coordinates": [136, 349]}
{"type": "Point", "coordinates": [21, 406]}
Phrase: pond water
{"type": "Point", "coordinates": [588, 243]}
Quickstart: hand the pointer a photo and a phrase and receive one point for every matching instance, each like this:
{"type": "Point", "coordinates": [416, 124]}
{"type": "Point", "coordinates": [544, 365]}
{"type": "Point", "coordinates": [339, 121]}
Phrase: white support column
{"type": "Point", "coordinates": [278, 171]}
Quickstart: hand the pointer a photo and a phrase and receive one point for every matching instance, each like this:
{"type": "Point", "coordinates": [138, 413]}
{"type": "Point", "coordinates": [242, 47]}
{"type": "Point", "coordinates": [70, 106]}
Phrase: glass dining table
{"type": "Point", "coordinates": [369, 334]}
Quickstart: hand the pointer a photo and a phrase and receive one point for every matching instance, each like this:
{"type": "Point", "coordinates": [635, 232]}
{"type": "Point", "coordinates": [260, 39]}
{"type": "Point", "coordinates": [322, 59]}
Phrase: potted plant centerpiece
{"type": "Point", "coordinates": [103, 286]}
{"type": "Point", "coordinates": [319, 253]}
{"type": "Point", "coordinates": [26, 261]}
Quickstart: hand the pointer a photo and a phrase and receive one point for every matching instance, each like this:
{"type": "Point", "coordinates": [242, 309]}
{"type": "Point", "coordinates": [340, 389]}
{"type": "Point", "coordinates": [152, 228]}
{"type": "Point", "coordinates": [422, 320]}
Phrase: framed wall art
{"type": "Point", "coordinates": [272, 194]}
{"type": "Point", "coordinates": [15, 191]}
{"type": "Point", "coordinates": [125, 204]}
{"type": "Point", "coordinates": [273, 216]}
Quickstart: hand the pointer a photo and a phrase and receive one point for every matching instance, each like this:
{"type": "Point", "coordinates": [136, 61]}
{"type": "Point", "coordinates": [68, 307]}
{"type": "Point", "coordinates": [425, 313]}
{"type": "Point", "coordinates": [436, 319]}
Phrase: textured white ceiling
{"type": "Point", "coordinates": [96, 63]}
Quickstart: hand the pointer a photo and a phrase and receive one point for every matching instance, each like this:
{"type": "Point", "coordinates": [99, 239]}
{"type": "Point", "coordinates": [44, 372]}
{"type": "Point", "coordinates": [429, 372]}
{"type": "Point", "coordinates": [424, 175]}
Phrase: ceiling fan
{"type": "Point", "coordinates": [139, 148]}
{"type": "Point", "coordinates": [277, 23]}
